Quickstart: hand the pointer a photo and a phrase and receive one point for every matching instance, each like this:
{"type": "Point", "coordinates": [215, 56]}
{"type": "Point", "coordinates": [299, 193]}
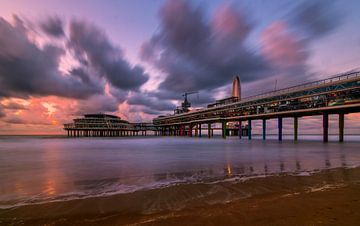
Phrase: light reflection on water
{"type": "Point", "coordinates": [35, 169]}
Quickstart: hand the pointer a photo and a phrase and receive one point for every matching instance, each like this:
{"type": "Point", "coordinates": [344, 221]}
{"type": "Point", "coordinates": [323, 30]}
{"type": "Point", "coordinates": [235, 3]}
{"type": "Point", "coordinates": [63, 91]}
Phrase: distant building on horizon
{"type": "Point", "coordinates": [235, 94]}
{"type": "Point", "coordinates": [236, 88]}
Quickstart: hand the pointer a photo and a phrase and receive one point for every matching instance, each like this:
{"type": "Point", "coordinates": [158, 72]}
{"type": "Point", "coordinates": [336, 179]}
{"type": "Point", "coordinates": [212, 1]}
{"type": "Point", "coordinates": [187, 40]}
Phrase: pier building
{"type": "Point", "coordinates": [105, 125]}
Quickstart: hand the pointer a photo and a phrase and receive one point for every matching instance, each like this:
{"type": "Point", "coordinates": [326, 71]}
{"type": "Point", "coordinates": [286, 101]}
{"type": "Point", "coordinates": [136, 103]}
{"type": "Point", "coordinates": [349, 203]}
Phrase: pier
{"type": "Point", "coordinates": [339, 95]}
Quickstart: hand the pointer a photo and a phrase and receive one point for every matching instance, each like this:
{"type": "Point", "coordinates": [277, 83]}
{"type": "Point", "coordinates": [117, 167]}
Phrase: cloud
{"type": "Point", "coordinates": [26, 69]}
{"type": "Point", "coordinates": [281, 47]}
{"type": "Point", "coordinates": [201, 53]}
{"type": "Point", "coordinates": [196, 54]}
{"type": "Point", "coordinates": [53, 26]}
{"type": "Point", "coordinates": [97, 104]}
{"type": "Point", "coordinates": [317, 18]}
{"type": "Point", "coordinates": [13, 106]}
{"type": "Point", "coordinates": [230, 24]}
{"type": "Point", "coordinates": [150, 103]}
{"type": "Point", "coordinates": [17, 120]}
{"type": "Point", "coordinates": [93, 48]}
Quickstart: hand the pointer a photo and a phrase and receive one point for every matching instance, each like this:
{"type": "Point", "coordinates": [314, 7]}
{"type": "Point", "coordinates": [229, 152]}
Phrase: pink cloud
{"type": "Point", "coordinates": [281, 47]}
{"type": "Point", "coordinates": [229, 23]}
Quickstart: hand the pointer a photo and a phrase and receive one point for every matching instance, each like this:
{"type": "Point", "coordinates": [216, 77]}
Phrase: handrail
{"type": "Point", "coordinates": [336, 78]}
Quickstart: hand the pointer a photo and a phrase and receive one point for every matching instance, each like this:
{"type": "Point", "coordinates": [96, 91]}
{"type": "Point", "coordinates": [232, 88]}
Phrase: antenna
{"type": "Point", "coordinates": [186, 104]}
{"type": "Point", "coordinates": [275, 85]}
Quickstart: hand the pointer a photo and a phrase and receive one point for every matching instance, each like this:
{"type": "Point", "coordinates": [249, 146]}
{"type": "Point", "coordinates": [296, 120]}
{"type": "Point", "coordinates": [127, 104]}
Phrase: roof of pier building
{"type": "Point", "coordinates": [100, 115]}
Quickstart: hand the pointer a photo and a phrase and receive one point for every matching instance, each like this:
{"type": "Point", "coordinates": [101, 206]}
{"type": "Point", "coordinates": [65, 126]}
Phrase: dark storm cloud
{"type": "Point", "coordinates": [203, 97]}
{"type": "Point", "coordinates": [150, 111]}
{"type": "Point", "coordinates": [200, 98]}
{"type": "Point", "coordinates": [200, 54]}
{"type": "Point", "coordinates": [317, 18]}
{"type": "Point", "coordinates": [26, 69]}
{"type": "Point", "coordinates": [150, 102]}
{"type": "Point", "coordinates": [97, 104]}
{"type": "Point", "coordinates": [196, 54]}
{"type": "Point", "coordinates": [93, 48]}
{"type": "Point", "coordinates": [53, 26]}
{"type": "Point", "coordinates": [159, 102]}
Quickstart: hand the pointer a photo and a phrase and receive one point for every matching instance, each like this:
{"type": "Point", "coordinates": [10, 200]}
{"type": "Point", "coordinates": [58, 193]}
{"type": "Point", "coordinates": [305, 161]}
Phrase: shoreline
{"type": "Point", "coordinates": [286, 199]}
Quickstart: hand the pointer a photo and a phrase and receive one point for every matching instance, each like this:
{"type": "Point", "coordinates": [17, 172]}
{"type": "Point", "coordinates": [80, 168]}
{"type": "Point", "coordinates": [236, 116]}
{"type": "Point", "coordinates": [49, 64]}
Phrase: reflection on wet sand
{"type": "Point", "coordinates": [278, 196]}
{"type": "Point", "coordinates": [253, 167]}
{"type": "Point", "coordinates": [53, 169]}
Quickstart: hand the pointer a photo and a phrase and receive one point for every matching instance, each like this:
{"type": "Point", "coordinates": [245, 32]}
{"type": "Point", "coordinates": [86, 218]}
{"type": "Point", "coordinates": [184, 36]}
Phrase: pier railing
{"type": "Point", "coordinates": [328, 81]}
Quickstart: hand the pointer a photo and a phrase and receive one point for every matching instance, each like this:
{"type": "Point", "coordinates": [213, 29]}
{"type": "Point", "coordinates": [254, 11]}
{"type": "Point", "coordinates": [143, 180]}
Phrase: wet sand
{"type": "Point", "coordinates": [330, 197]}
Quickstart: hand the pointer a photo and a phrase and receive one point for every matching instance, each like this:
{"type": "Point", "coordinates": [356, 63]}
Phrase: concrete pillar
{"type": "Point", "coordinates": [190, 130]}
{"type": "Point", "coordinates": [296, 125]}
{"type": "Point", "coordinates": [240, 129]}
{"type": "Point", "coordinates": [341, 127]}
{"type": "Point", "coordinates": [209, 130]}
{"type": "Point", "coordinates": [249, 129]}
{"type": "Point", "coordinates": [200, 130]}
{"type": "Point", "coordinates": [280, 125]}
{"type": "Point", "coordinates": [264, 129]}
{"type": "Point", "coordinates": [224, 129]}
{"type": "Point", "coordinates": [325, 127]}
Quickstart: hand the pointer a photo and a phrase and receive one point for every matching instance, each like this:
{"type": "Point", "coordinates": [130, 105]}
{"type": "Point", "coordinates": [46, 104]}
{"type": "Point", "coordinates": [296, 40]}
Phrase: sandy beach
{"type": "Point", "coordinates": [329, 197]}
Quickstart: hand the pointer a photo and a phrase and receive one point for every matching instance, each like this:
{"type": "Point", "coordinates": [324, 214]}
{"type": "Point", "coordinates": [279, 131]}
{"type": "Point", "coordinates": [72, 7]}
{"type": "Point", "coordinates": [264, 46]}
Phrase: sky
{"type": "Point", "coordinates": [135, 58]}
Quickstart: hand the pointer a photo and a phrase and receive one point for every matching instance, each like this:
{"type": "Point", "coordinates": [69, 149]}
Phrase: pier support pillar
{"type": "Point", "coordinates": [264, 129]}
{"type": "Point", "coordinates": [249, 129]}
{"type": "Point", "coordinates": [341, 127]}
{"type": "Point", "coordinates": [209, 130]}
{"type": "Point", "coordinates": [296, 125]}
{"type": "Point", "coordinates": [240, 129]}
{"type": "Point", "coordinates": [196, 130]}
{"type": "Point", "coordinates": [325, 127]}
{"type": "Point", "coordinates": [280, 125]}
{"type": "Point", "coordinates": [224, 129]}
{"type": "Point", "coordinates": [190, 130]}
{"type": "Point", "coordinates": [200, 130]}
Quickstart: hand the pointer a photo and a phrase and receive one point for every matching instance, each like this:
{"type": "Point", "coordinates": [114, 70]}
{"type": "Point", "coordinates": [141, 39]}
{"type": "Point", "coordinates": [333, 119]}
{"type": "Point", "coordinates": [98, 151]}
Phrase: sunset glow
{"type": "Point", "coordinates": [57, 66]}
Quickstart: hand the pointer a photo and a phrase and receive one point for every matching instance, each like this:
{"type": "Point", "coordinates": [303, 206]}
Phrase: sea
{"type": "Point", "coordinates": [41, 169]}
